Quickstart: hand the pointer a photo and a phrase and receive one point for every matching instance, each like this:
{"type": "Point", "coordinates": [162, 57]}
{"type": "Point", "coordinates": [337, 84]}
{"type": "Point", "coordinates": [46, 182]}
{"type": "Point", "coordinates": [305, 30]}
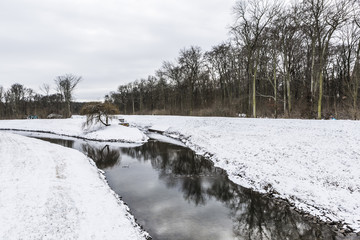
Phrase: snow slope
{"type": "Point", "coordinates": [51, 192]}
{"type": "Point", "coordinates": [73, 127]}
{"type": "Point", "coordinates": [313, 164]}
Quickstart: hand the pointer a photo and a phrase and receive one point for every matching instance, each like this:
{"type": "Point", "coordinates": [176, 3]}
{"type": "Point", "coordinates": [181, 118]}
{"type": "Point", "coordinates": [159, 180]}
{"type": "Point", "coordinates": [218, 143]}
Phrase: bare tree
{"type": "Point", "coordinates": [2, 92]}
{"type": "Point", "coordinates": [253, 16]}
{"type": "Point", "coordinates": [15, 97]}
{"type": "Point", "coordinates": [45, 88]}
{"type": "Point", "coordinates": [219, 61]}
{"type": "Point", "coordinates": [172, 73]}
{"type": "Point", "coordinates": [65, 86]}
{"type": "Point", "coordinates": [283, 55]}
{"type": "Point", "coordinates": [98, 113]}
{"type": "Point", "coordinates": [190, 62]}
{"type": "Point", "coordinates": [326, 17]}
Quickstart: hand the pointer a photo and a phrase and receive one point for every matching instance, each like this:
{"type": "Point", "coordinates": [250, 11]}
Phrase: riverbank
{"type": "Point", "coordinates": [72, 127]}
{"type": "Point", "coordinates": [51, 192]}
{"type": "Point", "coordinates": [312, 164]}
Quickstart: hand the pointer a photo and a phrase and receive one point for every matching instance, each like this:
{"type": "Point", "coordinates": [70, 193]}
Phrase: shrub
{"type": "Point", "coordinates": [98, 112]}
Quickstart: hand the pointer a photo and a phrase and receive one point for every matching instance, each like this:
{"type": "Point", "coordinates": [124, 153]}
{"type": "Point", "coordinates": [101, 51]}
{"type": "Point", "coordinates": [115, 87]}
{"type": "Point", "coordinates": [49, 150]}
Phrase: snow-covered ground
{"type": "Point", "coordinates": [51, 192]}
{"type": "Point", "coordinates": [73, 128]}
{"type": "Point", "coordinates": [313, 164]}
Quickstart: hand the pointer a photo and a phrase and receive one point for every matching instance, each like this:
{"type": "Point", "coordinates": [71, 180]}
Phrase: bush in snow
{"type": "Point", "coordinates": [98, 112]}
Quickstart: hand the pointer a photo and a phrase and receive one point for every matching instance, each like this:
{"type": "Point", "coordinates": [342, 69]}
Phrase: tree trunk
{"type": "Point", "coordinates": [355, 78]}
{"type": "Point", "coordinates": [140, 102]}
{"type": "Point", "coordinates": [275, 87]}
{"type": "Point", "coordinates": [320, 94]}
{"type": "Point", "coordinates": [254, 89]}
{"type": "Point", "coordinates": [288, 92]}
{"type": "Point", "coordinates": [284, 97]}
{"type": "Point", "coordinates": [312, 72]}
{"type": "Point", "coordinates": [133, 104]}
{"type": "Point", "coordinates": [287, 85]}
{"type": "Point", "coordinates": [68, 111]}
{"type": "Point", "coordinates": [321, 69]}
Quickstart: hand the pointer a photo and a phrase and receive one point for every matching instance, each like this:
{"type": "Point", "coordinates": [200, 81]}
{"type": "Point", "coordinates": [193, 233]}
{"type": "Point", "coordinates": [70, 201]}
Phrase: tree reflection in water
{"type": "Point", "coordinates": [104, 157]}
{"type": "Point", "coordinates": [255, 216]}
{"type": "Point", "coordinates": [62, 142]}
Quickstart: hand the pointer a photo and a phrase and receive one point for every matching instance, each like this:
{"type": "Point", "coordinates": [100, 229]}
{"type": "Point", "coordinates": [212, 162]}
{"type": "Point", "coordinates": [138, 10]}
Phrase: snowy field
{"type": "Point", "coordinates": [51, 192]}
{"type": "Point", "coordinates": [313, 164]}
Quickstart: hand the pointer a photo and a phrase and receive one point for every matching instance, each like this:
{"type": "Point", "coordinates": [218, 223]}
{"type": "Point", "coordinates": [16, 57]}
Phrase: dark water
{"type": "Point", "coordinates": [175, 194]}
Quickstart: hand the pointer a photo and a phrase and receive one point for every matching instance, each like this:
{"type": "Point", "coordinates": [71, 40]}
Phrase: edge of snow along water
{"type": "Point", "coordinates": [72, 127]}
{"type": "Point", "coordinates": [313, 164]}
{"type": "Point", "coordinates": [52, 192]}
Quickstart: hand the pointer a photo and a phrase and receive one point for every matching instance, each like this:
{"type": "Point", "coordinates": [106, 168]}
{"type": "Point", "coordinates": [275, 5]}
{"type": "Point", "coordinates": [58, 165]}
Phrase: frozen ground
{"type": "Point", "coordinates": [73, 128]}
{"type": "Point", "coordinates": [313, 164]}
{"type": "Point", "coordinates": [51, 192]}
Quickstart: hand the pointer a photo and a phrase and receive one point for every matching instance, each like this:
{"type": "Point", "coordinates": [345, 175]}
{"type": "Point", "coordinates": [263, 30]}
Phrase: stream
{"type": "Point", "coordinates": [175, 194]}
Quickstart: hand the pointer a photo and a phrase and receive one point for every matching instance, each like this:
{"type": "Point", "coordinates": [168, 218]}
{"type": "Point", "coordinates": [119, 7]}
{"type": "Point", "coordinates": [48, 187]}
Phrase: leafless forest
{"type": "Point", "coordinates": [296, 61]}
{"type": "Point", "coordinates": [280, 61]}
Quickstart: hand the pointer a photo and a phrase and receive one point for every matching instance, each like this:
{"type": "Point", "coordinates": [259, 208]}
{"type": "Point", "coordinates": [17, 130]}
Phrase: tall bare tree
{"type": "Point", "coordinates": [253, 16]}
{"type": "Point", "coordinates": [190, 62]}
{"type": "Point", "coordinates": [327, 16]}
{"type": "Point", "coordinates": [219, 59]}
{"type": "Point", "coordinates": [65, 86]}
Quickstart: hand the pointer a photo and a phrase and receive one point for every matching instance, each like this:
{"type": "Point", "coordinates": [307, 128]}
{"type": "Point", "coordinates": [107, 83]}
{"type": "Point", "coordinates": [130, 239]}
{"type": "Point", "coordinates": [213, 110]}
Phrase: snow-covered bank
{"type": "Point", "coordinates": [313, 164]}
{"type": "Point", "coordinates": [51, 192]}
{"type": "Point", "coordinates": [73, 128]}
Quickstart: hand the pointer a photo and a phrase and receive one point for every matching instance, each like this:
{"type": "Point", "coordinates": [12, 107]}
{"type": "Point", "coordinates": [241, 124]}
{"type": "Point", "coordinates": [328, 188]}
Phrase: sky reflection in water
{"type": "Point", "coordinates": [175, 194]}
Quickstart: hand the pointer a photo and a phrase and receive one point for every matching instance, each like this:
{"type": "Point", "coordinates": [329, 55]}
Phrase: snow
{"type": "Point", "coordinates": [314, 164]}
{"type": "Point", "coordinates": [73, 128]}
{"type": "Point", "coordinates": [51, 192]}
{"type": "Point", "coordinates": [162, 138]}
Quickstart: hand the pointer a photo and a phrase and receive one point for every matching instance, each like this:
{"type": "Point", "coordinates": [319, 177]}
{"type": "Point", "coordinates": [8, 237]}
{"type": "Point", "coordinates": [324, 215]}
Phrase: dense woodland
{"type": "Point", "coordinates": [298, 61]}
{"type": "Point", "coordinates": [280, 61]}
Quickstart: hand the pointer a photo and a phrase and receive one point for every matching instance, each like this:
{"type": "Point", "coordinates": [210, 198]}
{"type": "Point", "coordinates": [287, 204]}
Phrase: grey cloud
{"type": "Point", "coordinates": [117, 41]}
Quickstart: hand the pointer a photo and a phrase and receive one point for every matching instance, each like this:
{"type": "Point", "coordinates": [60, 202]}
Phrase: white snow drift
{"type": "Point", "coordinates": [51, 192]}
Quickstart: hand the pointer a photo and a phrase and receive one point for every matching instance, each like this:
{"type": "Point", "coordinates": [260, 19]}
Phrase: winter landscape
{"type": "Point", "coordinates": [311, 164]}
{"type": "Point", "coordinates": [173, 120]}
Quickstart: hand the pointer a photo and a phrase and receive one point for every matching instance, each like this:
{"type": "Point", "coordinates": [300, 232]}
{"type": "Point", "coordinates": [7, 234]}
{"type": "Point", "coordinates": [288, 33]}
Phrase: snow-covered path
{"type": "Point", "coordinates": [313, 164]}
{"type": "Point", "coordinates": [51, 192]}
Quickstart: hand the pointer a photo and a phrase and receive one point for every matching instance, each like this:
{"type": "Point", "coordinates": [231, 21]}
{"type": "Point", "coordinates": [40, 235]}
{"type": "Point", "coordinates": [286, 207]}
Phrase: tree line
{"type": "Point", "coordinates": [300, 61]}
{"type": "Point", "coordinates": [21, 102]}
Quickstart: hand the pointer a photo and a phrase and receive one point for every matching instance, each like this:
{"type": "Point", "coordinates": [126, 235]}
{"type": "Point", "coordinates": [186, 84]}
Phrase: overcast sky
{"type": "Point", "coordinates": [107, 42]}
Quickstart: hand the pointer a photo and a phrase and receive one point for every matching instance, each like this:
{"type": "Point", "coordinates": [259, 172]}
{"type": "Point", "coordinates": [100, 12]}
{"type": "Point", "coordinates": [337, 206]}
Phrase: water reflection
{"type": "Point", "coordinates": [177, 165]}
{"type": "Point", "coordinates": [254, 216]}
{"type": "Point", "coordinates": [251, 216]}
{"type": "Point", "coordinates": [62, 142]}
{"type": "Point", "coordinates": [104, 157]}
